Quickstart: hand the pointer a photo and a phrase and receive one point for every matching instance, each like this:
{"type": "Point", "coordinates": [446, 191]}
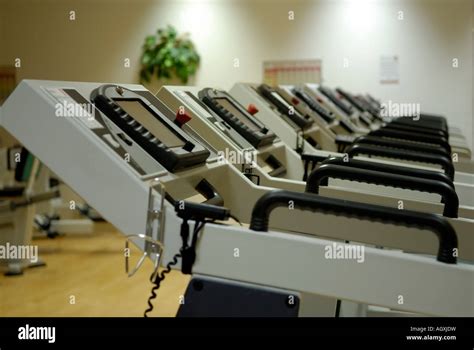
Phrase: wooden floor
{"type": "Point", "coordinates": [89, 270]}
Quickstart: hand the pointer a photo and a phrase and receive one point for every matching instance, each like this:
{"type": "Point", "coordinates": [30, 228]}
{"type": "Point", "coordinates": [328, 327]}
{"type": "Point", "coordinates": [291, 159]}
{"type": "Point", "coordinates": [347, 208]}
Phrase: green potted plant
{"type": "Point", "coordinates": [168, 56]}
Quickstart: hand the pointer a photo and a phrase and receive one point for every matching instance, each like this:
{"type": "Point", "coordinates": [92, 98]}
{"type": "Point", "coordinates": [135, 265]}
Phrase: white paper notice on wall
{"type": "Point", "coordinates": [389, 72]}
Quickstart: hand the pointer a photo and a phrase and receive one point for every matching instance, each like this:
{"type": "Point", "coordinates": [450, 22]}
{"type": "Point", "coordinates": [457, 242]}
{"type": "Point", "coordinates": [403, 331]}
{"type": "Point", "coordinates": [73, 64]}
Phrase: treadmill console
{"type": "Point", "coordinates": [352, 100]}
{"type": "Point", "coordinates": [145, 125]}
{"type": "Point", "coordinates": [346, 108]}
{"type": "Point", "coordinates": [327, 116]}
{"type": "Point", "coordinates": [226, 107]}
{"type": "Point", "coordinates": [374, 112]}
{"type": "Point", "coordinates": [274, 97]}
{"type": "Point", "coordinates": [214, 120]}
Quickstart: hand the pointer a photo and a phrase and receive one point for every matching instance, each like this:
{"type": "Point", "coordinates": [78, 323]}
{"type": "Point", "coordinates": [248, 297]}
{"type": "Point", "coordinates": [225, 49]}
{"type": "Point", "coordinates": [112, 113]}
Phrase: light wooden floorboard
{"type": "Point", "coordinates": [91, 269]}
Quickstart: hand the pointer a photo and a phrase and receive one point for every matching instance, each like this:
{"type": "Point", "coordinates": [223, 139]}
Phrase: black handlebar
{"type": "Point", "coordinates": [419, 147]}
{"type": "Point", "coordinates": [424, 122]}
{"type": "Point", "coordinates": [304, 201]}
{"type": "Point", "coordinates": [309, 162]}
{"type": "Point", "coordinates": [444, 162]}
{"type": "Point", "coordinates": [210, 193]}
{"type": "Point", "coordinates": [389, 168]}
{"type": "Point", "coordinates": [417, 129]}
{"type": "Point", "coordinates": [413, 136]}
{"type": "Point", "coordinates": [450, 198]}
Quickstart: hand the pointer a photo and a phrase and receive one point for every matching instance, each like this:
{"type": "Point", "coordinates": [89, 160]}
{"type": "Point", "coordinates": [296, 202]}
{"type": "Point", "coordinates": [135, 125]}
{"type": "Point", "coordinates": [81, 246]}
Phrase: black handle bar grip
{"type": "Point", "coordinates": [389, 168]}
{"type": "Point", "coordinates": [210, 193]}
{"type": "Point", "coordinates": [309, 162]}
{"type": "Point", "coordinates": [425, 124]}
{"type": "Point", "coordinates": [413, 136]}
{"type": "Point", "coordinates": [450, 198]}
{"type": "Point", "coordinates": [448, 242]}
{"type": "Point", "coordinates": [419, 147]}
{"type": "Point", "coordinates": [444, 162]}
{"type": "Point", "coordinates": [417, 129]}
{"type": "Point", "coordinates": [313, 157]}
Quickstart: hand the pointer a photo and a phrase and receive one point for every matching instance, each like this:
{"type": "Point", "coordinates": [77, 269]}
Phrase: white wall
{"type": "Point", "coordinates": [105, 32]}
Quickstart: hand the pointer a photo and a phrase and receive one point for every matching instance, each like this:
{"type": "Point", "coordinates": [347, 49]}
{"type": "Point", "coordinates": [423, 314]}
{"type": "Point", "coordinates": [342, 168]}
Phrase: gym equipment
{"type": "Point", "coordinates": [394, 129]}
{"type": "Point", "coordinates": [339, 130]}
{"type": "Point", "coordinates": [267, 116]}
{"type": "Point", "coordinates": [270, 114]}
{"type": "Point", "coordinates": [109, 160]}
{"type": "Point", "coordinates": [265, 163]}
{"type": "Point", "coordinates": [17, 210]}
{"type": "Point", "coordinates": [427, 123]}
{"type": "Point", "coordinates": [202, 120]}
{"type": "Point", "coordinates": [67, 214]}
{"type": "Point", "coordinates": [424, 132]}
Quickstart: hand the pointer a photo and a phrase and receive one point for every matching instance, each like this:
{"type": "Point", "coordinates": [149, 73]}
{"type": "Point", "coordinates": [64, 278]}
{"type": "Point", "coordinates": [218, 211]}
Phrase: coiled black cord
{"type": "Point", "coordinates": [158, 279]}
{"type": "Point", "coordinates": [161, 276]}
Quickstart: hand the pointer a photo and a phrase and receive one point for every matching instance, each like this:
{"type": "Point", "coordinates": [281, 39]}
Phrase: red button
{"type": "Point", "coordinates": [182, 117]}
{"type": "Point", "coordinates": [252, 109]}
{"type": "Point", "coordinates": [295, 101]}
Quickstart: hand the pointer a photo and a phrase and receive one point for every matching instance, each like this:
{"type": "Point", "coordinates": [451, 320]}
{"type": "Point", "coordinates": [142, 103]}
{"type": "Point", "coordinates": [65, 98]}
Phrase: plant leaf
{"type": "Point", "coordinates": [167, 54]}
{"type": "Point", "coordinates": [150, 41]}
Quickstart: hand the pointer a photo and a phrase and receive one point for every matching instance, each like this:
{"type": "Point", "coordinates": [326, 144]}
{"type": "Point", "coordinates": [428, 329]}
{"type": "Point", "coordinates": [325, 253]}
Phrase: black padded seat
{"type": "Point", "coordinates": [12, 191]}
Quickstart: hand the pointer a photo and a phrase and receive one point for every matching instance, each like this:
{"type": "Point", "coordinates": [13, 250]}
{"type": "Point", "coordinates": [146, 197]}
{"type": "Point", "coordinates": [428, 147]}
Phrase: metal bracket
{"type": "Point", "coordinates": [300, 141]}
{"type": "Point", "coordinates": [155, 227]}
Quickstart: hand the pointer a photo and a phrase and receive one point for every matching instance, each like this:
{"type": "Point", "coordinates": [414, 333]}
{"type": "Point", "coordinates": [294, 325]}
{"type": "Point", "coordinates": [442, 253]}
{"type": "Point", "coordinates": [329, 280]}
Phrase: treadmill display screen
{"type": "Point", "coordinates": [237, 117]}
{"type": "Point", "coordinates": [282, 100]}
{"type": "Point", "coordinates": [145, 117]}
{"type": "Point", "coordinates": [290, 114]}
{"type": "Point", "coordinates": [229, 106]}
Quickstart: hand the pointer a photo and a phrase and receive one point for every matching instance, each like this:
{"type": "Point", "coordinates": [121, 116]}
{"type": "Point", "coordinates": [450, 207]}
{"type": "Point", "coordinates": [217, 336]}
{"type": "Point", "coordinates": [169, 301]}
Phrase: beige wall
{"type": "Point", "coordinates": [93, 47]}
{"type": "Point", "coordinates": [472, 80]}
